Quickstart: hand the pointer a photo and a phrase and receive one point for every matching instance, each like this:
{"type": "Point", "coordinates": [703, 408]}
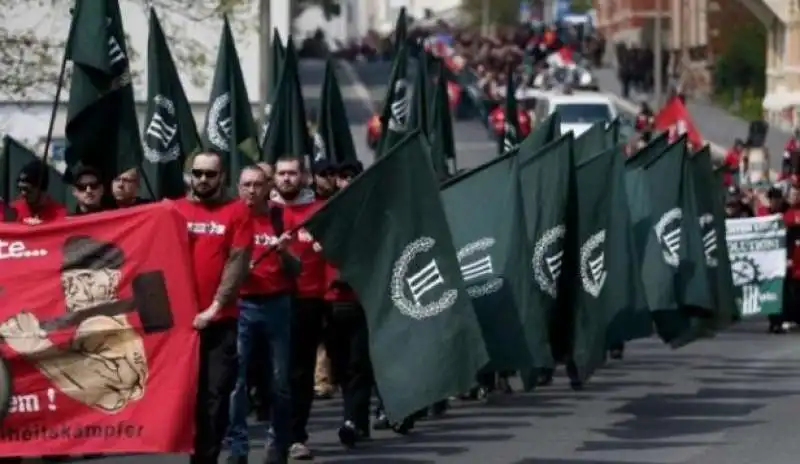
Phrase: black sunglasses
{"type": "Point", "coordinates": [87, 186]}
{"type": "Point", "coordinates": [207, 173]}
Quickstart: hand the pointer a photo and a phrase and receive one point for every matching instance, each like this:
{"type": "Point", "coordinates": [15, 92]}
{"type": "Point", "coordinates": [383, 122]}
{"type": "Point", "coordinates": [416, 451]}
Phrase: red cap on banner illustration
{"type": "Point", "coordinates": [96, 329]}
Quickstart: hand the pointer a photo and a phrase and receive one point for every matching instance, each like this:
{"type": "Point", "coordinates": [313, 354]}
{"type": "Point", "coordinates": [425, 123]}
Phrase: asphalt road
{"type": "Point", "coordinates": [363, 86]}
{"type": "Point", "coordinates": [730, 400]}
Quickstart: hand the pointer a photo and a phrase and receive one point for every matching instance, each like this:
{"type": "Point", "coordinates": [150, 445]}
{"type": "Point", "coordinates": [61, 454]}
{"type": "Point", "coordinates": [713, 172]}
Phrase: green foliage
{"type": "Point", "coordinates": [581, 6]}
{"type": "Point", "coordinates": [743, 63]}
{"type": "Point", "coordinates": [748, 107]}
{"type": "Point", "coordinates": [501, 12]}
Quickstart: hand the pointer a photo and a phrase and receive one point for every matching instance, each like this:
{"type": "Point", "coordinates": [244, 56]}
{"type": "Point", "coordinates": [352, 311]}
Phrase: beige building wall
{"type": "Point", "coordinates": [782, 99]}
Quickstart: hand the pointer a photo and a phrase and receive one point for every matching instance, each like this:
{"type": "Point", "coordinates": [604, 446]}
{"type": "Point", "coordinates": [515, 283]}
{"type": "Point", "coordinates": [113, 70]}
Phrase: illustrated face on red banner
{"type": "Point", "coordinates": [96, 330]}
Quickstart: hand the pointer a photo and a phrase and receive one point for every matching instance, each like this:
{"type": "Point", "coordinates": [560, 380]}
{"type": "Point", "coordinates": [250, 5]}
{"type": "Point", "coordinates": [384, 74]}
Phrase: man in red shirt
{"type": "Point", "coordinates": [34, 205]}
{"type": "Point", "coordinates": [299, 203]}
{"type": "Point", "coordinates": [220, 237]}
{"type": "Point", "coordinates": [265, 313]}
{"type": "Point", "coordinates": [731, 163]}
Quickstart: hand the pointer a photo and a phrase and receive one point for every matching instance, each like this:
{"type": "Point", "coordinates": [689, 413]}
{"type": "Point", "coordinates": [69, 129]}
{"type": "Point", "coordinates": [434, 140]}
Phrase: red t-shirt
{"type": "Point", "coordinates": [732, 159]}
{"type": "Point", "coordinates": [267, 277]}
{"type": "Point", "coordinates": [311, 281]}
{"type": "Point", "coordinates": [48, 212]}
{"type": "Point", "coordinates": [340, 291]}
{"type": "Point", "coordinates": [213, 231]}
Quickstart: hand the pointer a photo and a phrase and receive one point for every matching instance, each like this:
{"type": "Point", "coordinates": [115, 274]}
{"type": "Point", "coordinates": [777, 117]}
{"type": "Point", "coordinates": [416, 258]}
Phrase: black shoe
{"type": "Point", "coordinates": [615, 353]}
{"type": "Point", "coordinates": [403, 428]}
{"type": "Point", "coordinates": [275, 456]}
{"type": "Point", "coordinates": [236, 459]}
{"type": "Point", "coordinates": [504, 386]}
{"type": "Point", "coordinates": [545, 378]}
{"type": "Point", "coordinates": [576, 385]}
{"type": "Point", "coordinates": [348, 435]}
{"type": "Point", "coordinates": [438, 409]}
{"type": "Point", "coordinates": [381, 422]}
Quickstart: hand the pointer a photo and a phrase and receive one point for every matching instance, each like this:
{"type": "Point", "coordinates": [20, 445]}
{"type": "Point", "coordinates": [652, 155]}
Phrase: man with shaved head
{"type": "Point", "coordinates": [220, 236]}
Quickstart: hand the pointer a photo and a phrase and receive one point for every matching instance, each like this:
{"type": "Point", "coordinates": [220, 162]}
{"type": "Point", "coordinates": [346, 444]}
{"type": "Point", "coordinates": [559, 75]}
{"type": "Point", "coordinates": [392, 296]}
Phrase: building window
{"type": "Point", "coordinates": [778, 43]}
{"type": "Point", "coordinates": [58, 147]}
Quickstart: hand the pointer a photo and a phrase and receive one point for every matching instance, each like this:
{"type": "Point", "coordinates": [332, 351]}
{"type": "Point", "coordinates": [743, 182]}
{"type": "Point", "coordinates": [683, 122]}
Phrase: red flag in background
{"type": "Point", "coordinates": [96, 329]}
{"type": "Point", "coordinates": [675, 118]}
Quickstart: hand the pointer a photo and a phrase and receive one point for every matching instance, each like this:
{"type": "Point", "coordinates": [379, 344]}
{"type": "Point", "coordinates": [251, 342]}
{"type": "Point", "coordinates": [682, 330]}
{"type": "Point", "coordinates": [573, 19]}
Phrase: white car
{"type": "Point", "coordinates": [578, 110]}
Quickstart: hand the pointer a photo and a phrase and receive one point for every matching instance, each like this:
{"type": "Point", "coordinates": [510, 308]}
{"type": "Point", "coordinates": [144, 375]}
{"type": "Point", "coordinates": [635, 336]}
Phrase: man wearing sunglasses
{"type": "Point", "coordinates": [88, 190]}
{"type": "Point", "coordinates": [220, 237]}
{"type": "Point", "coordinates": [125, 189]}
{"type": "Point", "coordinates": [33, 205]}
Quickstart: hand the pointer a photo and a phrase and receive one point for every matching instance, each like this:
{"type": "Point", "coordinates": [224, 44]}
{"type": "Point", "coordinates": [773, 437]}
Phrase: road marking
{"type": "Point", "coordinates": [358, 87]}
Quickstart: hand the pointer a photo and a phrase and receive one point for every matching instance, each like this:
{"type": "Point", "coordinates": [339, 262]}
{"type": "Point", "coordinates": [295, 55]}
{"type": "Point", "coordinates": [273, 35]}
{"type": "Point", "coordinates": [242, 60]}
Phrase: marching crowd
{"type": "Point", "coordinates": [260, 285]}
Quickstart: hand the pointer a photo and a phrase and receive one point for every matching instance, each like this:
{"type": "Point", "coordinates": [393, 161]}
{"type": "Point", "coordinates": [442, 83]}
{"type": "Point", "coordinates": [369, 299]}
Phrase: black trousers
{"type": "Point", "coordinates": [348, 350]}
{"type": "Point", "coordinates": [309, 315]}
{"type": "Point", "coordinates": [218, 365]}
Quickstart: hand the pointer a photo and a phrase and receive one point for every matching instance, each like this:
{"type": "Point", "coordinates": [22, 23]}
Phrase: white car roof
{"type": "Point", "coordinates": [578, 97]}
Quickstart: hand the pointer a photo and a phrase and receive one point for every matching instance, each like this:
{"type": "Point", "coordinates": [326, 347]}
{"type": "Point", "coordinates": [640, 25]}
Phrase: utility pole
{"type": "Point", "coordinates": [657, 55]}
{"type": "Point", "coordinates": [264, 51]}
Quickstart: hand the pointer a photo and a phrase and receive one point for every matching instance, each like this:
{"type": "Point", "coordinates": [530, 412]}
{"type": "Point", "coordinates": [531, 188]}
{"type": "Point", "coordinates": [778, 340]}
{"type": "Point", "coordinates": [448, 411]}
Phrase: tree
{"type": "Point", "coordinates": [30, 53]}
{"type": "Point", "coordinates": [581, 6]}
{"type": "Point", "coordinates": [501, 12]}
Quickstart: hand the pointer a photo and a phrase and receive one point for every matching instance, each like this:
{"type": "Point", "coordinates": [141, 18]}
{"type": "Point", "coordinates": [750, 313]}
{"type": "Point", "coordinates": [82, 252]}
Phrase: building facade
{"type": "Point", "coordinates": [782, 99]}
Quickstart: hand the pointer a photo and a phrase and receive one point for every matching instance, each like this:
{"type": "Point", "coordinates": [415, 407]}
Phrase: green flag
{"type": "Point", "coordinates": [425, 342]}
{"type": "Point", "coordinates": [711, 212]}
{"type": "Point", "coordinates": [603, 251]}
{"type": "Point", "coordinates": [663, 253]}
{"type": "Point", "coordinates": [170, 136]}
{"type": "Point", "coordinates": [229, 128]}
{"type": "Point", "coordinates": [442, 138]}
{"type": "Point", "coordinates": [695, 287]}
{"type": "Point", "coordinates": [545, 132]}
{"type": "Point", "coordinates": [647, 153]}
{"type": "Point", "coordinates": [14, 157]}
{"type": "Point", "coordinates": [102, 130]}
{"type": "Point", "coordinates": [400, 31]}
{"type": "Point", "coordinates": [511, 131]}
{"type": "Point", "coordinates": [333, 140]}
{"type": "Point", "coordinates": [626, 291]}
{"type": "Point", "coordinates": [287, 131]}
{"type": "Point", "coordinates": [396, 113]}
{"type": "Point", "coordinates": [591, 142]}
{"type": "Point", "coordinates": [612, 133]}
{"type": "Point", "coordinates": [276, 58]}
{"type": "Point", "coordinates": [546, 189]}
{"type": "Point", "coordinates": [486, 217]}
{"type": "Point", "coordinates": [420, 95]}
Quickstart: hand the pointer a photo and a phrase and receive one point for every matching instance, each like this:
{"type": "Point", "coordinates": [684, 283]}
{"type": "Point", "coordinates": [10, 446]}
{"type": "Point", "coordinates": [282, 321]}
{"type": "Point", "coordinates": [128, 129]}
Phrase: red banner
{"type": "Point", "coordinates": [675, 118]}
{"type": "Point", "coordinates": [96, 330]}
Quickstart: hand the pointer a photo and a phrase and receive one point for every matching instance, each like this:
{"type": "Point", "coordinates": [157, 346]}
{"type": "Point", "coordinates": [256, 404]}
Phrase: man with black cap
{"type": "Point", "coordinates": [34, 205]}
{"type": "Point", "coordinates": [88, 190]}
{"type": "Point", "coordinates": [324, 179]}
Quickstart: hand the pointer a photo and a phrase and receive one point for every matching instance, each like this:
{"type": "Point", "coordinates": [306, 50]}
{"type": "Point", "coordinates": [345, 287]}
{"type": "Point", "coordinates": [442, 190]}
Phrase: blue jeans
{"type": "Point", "coordinates": [269, 319]}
